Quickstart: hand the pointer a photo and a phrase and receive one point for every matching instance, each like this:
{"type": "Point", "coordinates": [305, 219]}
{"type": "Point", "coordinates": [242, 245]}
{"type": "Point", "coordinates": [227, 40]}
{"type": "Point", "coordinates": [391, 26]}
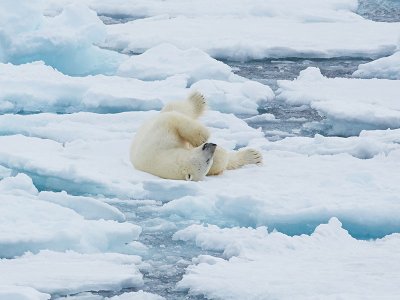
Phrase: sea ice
{"type": "Point", "coordinates": [30, 224]}
{"type": "Point", "coordinates": [304, 181]}
{"type": "Point", "coordinates": [327, 264]}
{"type": "Point", "coordinates": [13, 292]}
{"type": "Point", "coordinates": [385, 67]}
{"type": "Point", "coordinates": [350, 105]}
{"type": "Point", "coordinates": [313, 10]}
{"type": "Point", "coordinates": [166, 60]}
{"type": "Point", "coordinates": [66, 40]}
{"type": "Point", "coordinates": [36, 87]}
{"type": "Point", "coordinates": [244, 38]}
{"type": "Point", "coordinates": [70, 272]}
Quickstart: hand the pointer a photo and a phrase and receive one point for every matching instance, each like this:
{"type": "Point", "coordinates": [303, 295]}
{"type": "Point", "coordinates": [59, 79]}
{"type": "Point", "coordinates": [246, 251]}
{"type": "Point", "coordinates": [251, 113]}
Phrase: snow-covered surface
{"type": "Point", "coordinates": [242, 38]}
{"type": "Point", "coordinates": [166, 60]}
{"type": "Point", "coordinates": [12, 292]}
{"type": "Point", "coordinates": [349, 105]}
{"type": "Point", "coordinates": [66, 40]}
{"type": "Point", "coordinates": [77, 220]}
{"type": "Point", "coordinates": [31, 222]}
{"type": "Point", "coordinates": [264, 198]}
{"type": "Point", "coordinates": [71, 272]}
{"type": "Point", "coordinates": [328, 264]}
{"type": "Point", "coordinates": [385, 67]}
{"type": "Point", "coordinates": [36, 87]}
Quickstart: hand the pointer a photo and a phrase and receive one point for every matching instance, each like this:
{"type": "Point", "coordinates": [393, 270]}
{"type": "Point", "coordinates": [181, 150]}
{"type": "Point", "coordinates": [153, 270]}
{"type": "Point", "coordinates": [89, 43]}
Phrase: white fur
{"type": "Point", "coordinates": [171, 145]}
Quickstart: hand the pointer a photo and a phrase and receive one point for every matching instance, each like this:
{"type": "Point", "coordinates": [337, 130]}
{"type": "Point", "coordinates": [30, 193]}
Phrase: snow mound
{"type": "Point", "coordinates": [237, 97]}
{"type": "Point", "coordinates": [71, 272]}
{"type": "Point", "coordinates": [385, 67]}
{"type": "Point", "coordinates": [166, 60]}
{"type": "Point", "coordinates": [30, 224]}
{"type": "Point", "coordinates": [65, 40]}
{"type": "Point", "coordinates": [321, 265]}
{"type": "Point", "coordinates": [350, 105]}
{"type": "Point", "coordinates": [11, 292]}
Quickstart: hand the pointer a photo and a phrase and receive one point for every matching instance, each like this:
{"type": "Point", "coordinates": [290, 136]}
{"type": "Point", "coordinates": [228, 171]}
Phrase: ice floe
{"type": "Point", "coordinates": [70, 272]}
{"type": "Point", "coordinates": [327, 264]}
{"type": "Point", "coordinates": [31, 221]}
{"type": "Point", "coordinates": [166, 60]}
{"type": "Point", "coordinates": [36, 87]}
{"type": "Point", "coordinates": [66, 40]}
{"type": "Point", "coordinates": [385, 67]}
{"type": "Point", "coordinates": [241, 38]}
{"type": "Point", "coordinates": [349, 105]}
{"type": "Point", "coordinates": [296, 189]}
{"type": "Point", "coordinates": [13, 292]}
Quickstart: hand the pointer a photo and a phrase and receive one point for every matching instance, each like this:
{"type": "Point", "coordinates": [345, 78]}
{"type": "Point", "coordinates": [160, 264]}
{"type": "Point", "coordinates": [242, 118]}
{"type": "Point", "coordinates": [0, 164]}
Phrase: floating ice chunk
{"type": "Point", "coordinates": [71, 272]}
{"type": "Point", "coordinates": [367, 145]}
{"type": "Point", "coordinates": [230, 37]}
{"type": "Point", "coordinates": [20, 184]}
{"type": "Point", "coordinates": [386, 67]}
{"type": "Point", "coordinates": [279, 266]}
{"type": "Point", "coordinates": [37, 87]}
{"type": "Point", "coordinates": [13, 292]}
{"type": "Point", "coordinates": [89, 208]}
{"type": "Point", "coordinates": [286, 194]}
{"type": "Point", "coordinates": [140, 295]}
{"type": "Point", "coordinates": [350, 105]}
{"type": "Point", "coordinates": [262, 118]}
{"type": "Point", "coordinates": [30, 224]}
{"type": "Point", "coordinates": [310, 10]}
{"type": "Point", "coordinates": [237, 97]}
{"type": "Point", "coordinates": [166, 60]}
{"type": "Point", "coordinates": [66, 40]}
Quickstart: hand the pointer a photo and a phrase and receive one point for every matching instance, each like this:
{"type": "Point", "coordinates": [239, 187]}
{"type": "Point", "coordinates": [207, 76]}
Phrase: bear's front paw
{"type": "Point", "coordinates": [200, 137]}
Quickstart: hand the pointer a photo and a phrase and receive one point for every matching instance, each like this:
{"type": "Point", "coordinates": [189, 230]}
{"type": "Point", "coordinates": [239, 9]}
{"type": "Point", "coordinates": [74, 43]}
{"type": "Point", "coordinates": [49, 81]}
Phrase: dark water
{"type": "Point", "coordinates": [290, 119]}
{"type": "Point", "coordinates": [380, 10]}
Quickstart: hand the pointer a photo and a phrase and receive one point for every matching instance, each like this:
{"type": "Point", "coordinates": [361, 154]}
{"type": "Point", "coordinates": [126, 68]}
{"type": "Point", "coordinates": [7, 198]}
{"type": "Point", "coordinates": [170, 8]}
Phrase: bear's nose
{"type": "Point", "coordinates": [211, 146]}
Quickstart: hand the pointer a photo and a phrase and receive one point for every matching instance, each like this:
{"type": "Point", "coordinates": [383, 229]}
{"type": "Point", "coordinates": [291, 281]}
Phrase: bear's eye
{"type": "Point", "coordinates": [188, 177]}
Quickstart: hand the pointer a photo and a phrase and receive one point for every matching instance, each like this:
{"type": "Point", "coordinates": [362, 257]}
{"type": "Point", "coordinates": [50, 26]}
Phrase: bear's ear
{"type": "Point", "coordinates": [188, 177]}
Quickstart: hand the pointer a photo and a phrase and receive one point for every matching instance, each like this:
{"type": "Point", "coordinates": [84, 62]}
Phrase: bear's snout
{"type": "Point", "coordinates": [209, 146]}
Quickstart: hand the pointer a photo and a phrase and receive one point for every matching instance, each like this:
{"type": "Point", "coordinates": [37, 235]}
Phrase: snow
{"type": "Point", "coordinates": [11, 292]}
{"type": "Point", "coordinates": [365, 168]}
{"type": "Point", "coordinates": [349, 105]}
{"type": "Point", "coordinates": [30, 224]}
{"type": "Point", "coordinates": [385, 67]}
{"type": "Point", "coordinates": [36, 87]}
{"type": "Point", "coordinates": [79, 222]}
{"type": "Point", "coordinates": [329, 10]}
{"type": "Point", "coordinates": [71, 272]}
{"type": "Point", "coordinates": [67, 40]}
{"type": "Point", "coordinates": [165, 60]}
{"type": "Point", "coordinates": [245, 38]}
{"type": "Point", "coordinates": [140, 295]}
{"type": "Point", "coordinates": [327, 264]}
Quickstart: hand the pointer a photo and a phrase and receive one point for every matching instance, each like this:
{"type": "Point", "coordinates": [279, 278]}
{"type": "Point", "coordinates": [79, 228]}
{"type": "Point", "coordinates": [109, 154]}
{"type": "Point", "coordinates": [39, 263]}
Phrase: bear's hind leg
{"type": "Point", "coordinates": [240, 158]}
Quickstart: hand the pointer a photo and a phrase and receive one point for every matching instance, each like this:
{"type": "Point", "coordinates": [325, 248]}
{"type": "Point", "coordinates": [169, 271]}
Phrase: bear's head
{"type": "Point", "coordinates": [199, 162]}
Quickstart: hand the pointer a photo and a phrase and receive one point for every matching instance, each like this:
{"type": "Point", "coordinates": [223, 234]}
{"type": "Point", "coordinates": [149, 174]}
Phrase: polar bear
{"type": "Point", "coordinates": [174, 144]}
